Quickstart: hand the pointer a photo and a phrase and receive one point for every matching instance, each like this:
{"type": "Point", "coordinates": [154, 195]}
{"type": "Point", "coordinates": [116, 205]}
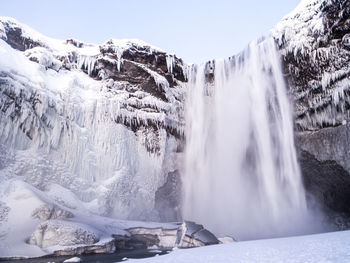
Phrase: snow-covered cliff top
{"type": "Point", "coordinates": [8, 25]}
{"type": "Point", "coordinates": [297, 26]}
{"type": "Point", "coordinates": [314, 42]}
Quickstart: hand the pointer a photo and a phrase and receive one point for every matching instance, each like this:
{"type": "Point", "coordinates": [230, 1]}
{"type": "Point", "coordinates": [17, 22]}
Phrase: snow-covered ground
{"type": "Point", "coordinates": [321, 248]}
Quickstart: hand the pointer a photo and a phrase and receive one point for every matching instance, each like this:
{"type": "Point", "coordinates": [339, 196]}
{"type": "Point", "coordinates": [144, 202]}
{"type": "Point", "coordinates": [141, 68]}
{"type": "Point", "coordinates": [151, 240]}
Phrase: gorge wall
{"type": "Point", "coordinates": [88, 133]}
{"type": "Point", "coordinates": [102, 121]}
{"type": "Point", "coordinates": [90, 129]}
{"type": "Point", "coordinates": [314, 42]}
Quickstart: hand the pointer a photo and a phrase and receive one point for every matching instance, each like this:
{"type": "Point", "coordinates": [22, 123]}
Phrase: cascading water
{"type": "Point", "coordinates": [241, 173]}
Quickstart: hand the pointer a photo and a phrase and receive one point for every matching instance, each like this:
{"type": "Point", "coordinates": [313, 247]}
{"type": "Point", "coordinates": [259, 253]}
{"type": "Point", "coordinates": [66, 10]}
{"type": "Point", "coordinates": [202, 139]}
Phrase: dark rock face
{"type": "Point", "coordinates": [15, 38]}
{"type": "Point", "coordinates": [187, 234]}
{"type": "Point", "coordinates": [327, 144]}
{"type": "Point", "coordinates": [329, 185]}
{"type": "Point", "coordinates": [314, 43]}
{"type": "Point", "coordinates": [198, 232]}
{"type": "Point", "coordinates": [327, 181]}
{"type": "Point", "coordinates": [323, 157]}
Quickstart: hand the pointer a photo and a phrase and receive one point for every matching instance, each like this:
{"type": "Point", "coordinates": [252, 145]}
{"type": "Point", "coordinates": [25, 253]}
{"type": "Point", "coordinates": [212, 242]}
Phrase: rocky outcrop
{"type": "Point", "coordinates": [107, 247]}
{"type": "Point", "coordinates": [99, 128]}
{"type": "Point", "coordinates": [323, 157]}
{"type": "Point", "coordinates": [328, 144]}
{"type": "Point", "coordinates": [90, 133]}
{"type": "Point", "coordinates": [63, 238]}
{"type": "Point", "coordinates": [186, 235]}
{"type": "Point", "coordinates": [49, 211]}
{"type": "Point", "coordinates": [62, 233]}
{"type": "Point", "coordinates": [104, 121]}
{"type": "Point", "coordinates": [316, 56]}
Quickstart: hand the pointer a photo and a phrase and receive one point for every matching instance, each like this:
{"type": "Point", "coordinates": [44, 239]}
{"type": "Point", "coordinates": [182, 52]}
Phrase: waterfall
{"type": "Point", "coordinates": [241, 172]}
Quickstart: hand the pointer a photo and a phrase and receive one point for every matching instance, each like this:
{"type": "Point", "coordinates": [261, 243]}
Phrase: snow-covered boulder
{"type": "Point", "coordinates": [50, 211]}
{"type": "Point", "coordinates": [185, 235]}
{"type": "Point", "coordinates": [62, 233]}
{"type": "Point", "coordinates": [36, 223]}
{"type": "Point", "coordinates": [226, 240]}
{"type": "Point", "coordinates": [73, 259]}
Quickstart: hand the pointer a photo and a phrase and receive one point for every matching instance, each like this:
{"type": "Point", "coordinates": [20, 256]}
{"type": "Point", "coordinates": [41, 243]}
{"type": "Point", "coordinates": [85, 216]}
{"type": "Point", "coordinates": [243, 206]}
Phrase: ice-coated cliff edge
{"type": "Point", "coordinates": [314, 42]}
{"type": "Point", "coordinates": [102, 121]}
{"type": "Point", "coordinates": [90, 133]}
{"type": "Point", "coordinates": [86, 131]}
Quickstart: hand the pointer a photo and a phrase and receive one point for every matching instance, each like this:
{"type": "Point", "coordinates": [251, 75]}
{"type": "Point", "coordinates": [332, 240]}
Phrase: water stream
{"type": "Point", "coordinates": [241, 172]}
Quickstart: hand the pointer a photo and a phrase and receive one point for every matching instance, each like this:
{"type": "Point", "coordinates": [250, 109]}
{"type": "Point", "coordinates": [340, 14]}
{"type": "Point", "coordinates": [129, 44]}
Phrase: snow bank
{"type": "Point", "coordinates": [74, 259]}
{"type": "Point", "coordinates": [330, 247]}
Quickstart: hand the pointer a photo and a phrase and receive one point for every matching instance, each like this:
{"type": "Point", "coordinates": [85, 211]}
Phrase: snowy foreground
{"type": "Point", "coordinates": [329, 247]}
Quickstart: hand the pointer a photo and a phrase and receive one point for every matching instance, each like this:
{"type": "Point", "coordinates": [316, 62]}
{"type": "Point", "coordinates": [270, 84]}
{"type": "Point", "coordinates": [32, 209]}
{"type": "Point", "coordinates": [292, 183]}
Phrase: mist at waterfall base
{"type": "Point", "coordinates": [241, 173]}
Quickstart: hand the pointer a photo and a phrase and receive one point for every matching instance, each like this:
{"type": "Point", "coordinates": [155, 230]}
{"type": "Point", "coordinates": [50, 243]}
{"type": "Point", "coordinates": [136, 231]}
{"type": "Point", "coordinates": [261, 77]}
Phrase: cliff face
{"type": "Point", "coordinates": [88, 133]}
{"type": "Point", "coordinates": [100, 128]}
{"type": "Point", "coordinates": [315, 45]}
{"type": "Point", "coordinates": [103, 121]}
{"type": "Point", "coordinates": [314, 42]}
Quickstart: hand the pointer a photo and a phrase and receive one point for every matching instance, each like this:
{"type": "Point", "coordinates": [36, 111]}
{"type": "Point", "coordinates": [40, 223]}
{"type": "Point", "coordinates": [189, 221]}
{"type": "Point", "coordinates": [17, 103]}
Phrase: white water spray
{"type": "Point", "coordinates": [241, 173]}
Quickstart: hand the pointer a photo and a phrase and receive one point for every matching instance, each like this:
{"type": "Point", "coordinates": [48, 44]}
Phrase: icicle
{"type": "Point", "coordinates": [120, 60]}
{"type": "Point", "coordinates": [170, 62]}
{"type": "Point", "coordinates": [87, 62]}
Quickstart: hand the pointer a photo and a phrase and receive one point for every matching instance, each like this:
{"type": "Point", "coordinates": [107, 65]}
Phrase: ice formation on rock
{"type": "Point", "coordinates": [90, 133]}
{"type": "Point", "coordinates": [107, 140]}
{"type": "Point", "coordinates": [314, 46]}
{"type": "Point", "coordinates": [84, 128]}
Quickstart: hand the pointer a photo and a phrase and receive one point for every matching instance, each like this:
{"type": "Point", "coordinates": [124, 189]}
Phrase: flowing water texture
{"type": "Point", "coordinates": [241, 173]}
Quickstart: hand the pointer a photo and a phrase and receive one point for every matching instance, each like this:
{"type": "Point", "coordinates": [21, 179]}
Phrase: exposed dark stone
{"type": "Point", "coordinates": [210, 71]}
{"type": "Point", "coordinates": [132, 73]}
{"type": "Point", "coordinates": [108, 247]}
{"type": "Point", "coordinates": [154, 60]}
{"type": "Point", "coordinates": [17, 41]}
{"type": "Point", "coordinates": [198, 232]}
{"type": "Point", "coordinates": [324, 160]}
{"type": "Point", "coordinates": [327, 144]}
{"type": "Point", "coordinates": [135, 241]}
{"type": "Point", "coordinates": [195, 235]}
{"type": "Point", "coordinates": [75, 43]}
{"type": "Point", "coordinates": [327, 181]}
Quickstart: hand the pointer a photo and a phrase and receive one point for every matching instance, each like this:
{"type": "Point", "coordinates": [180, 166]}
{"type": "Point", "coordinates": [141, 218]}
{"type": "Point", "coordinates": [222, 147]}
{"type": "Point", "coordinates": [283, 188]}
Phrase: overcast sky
{"type": "Point", "coordinates": [194, 30]}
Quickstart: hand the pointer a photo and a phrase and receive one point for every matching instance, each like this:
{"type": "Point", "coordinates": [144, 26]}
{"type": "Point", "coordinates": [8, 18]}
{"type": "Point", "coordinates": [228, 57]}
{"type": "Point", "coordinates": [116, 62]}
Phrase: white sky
{"type": "Point", "coordinates": [192, 29]}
